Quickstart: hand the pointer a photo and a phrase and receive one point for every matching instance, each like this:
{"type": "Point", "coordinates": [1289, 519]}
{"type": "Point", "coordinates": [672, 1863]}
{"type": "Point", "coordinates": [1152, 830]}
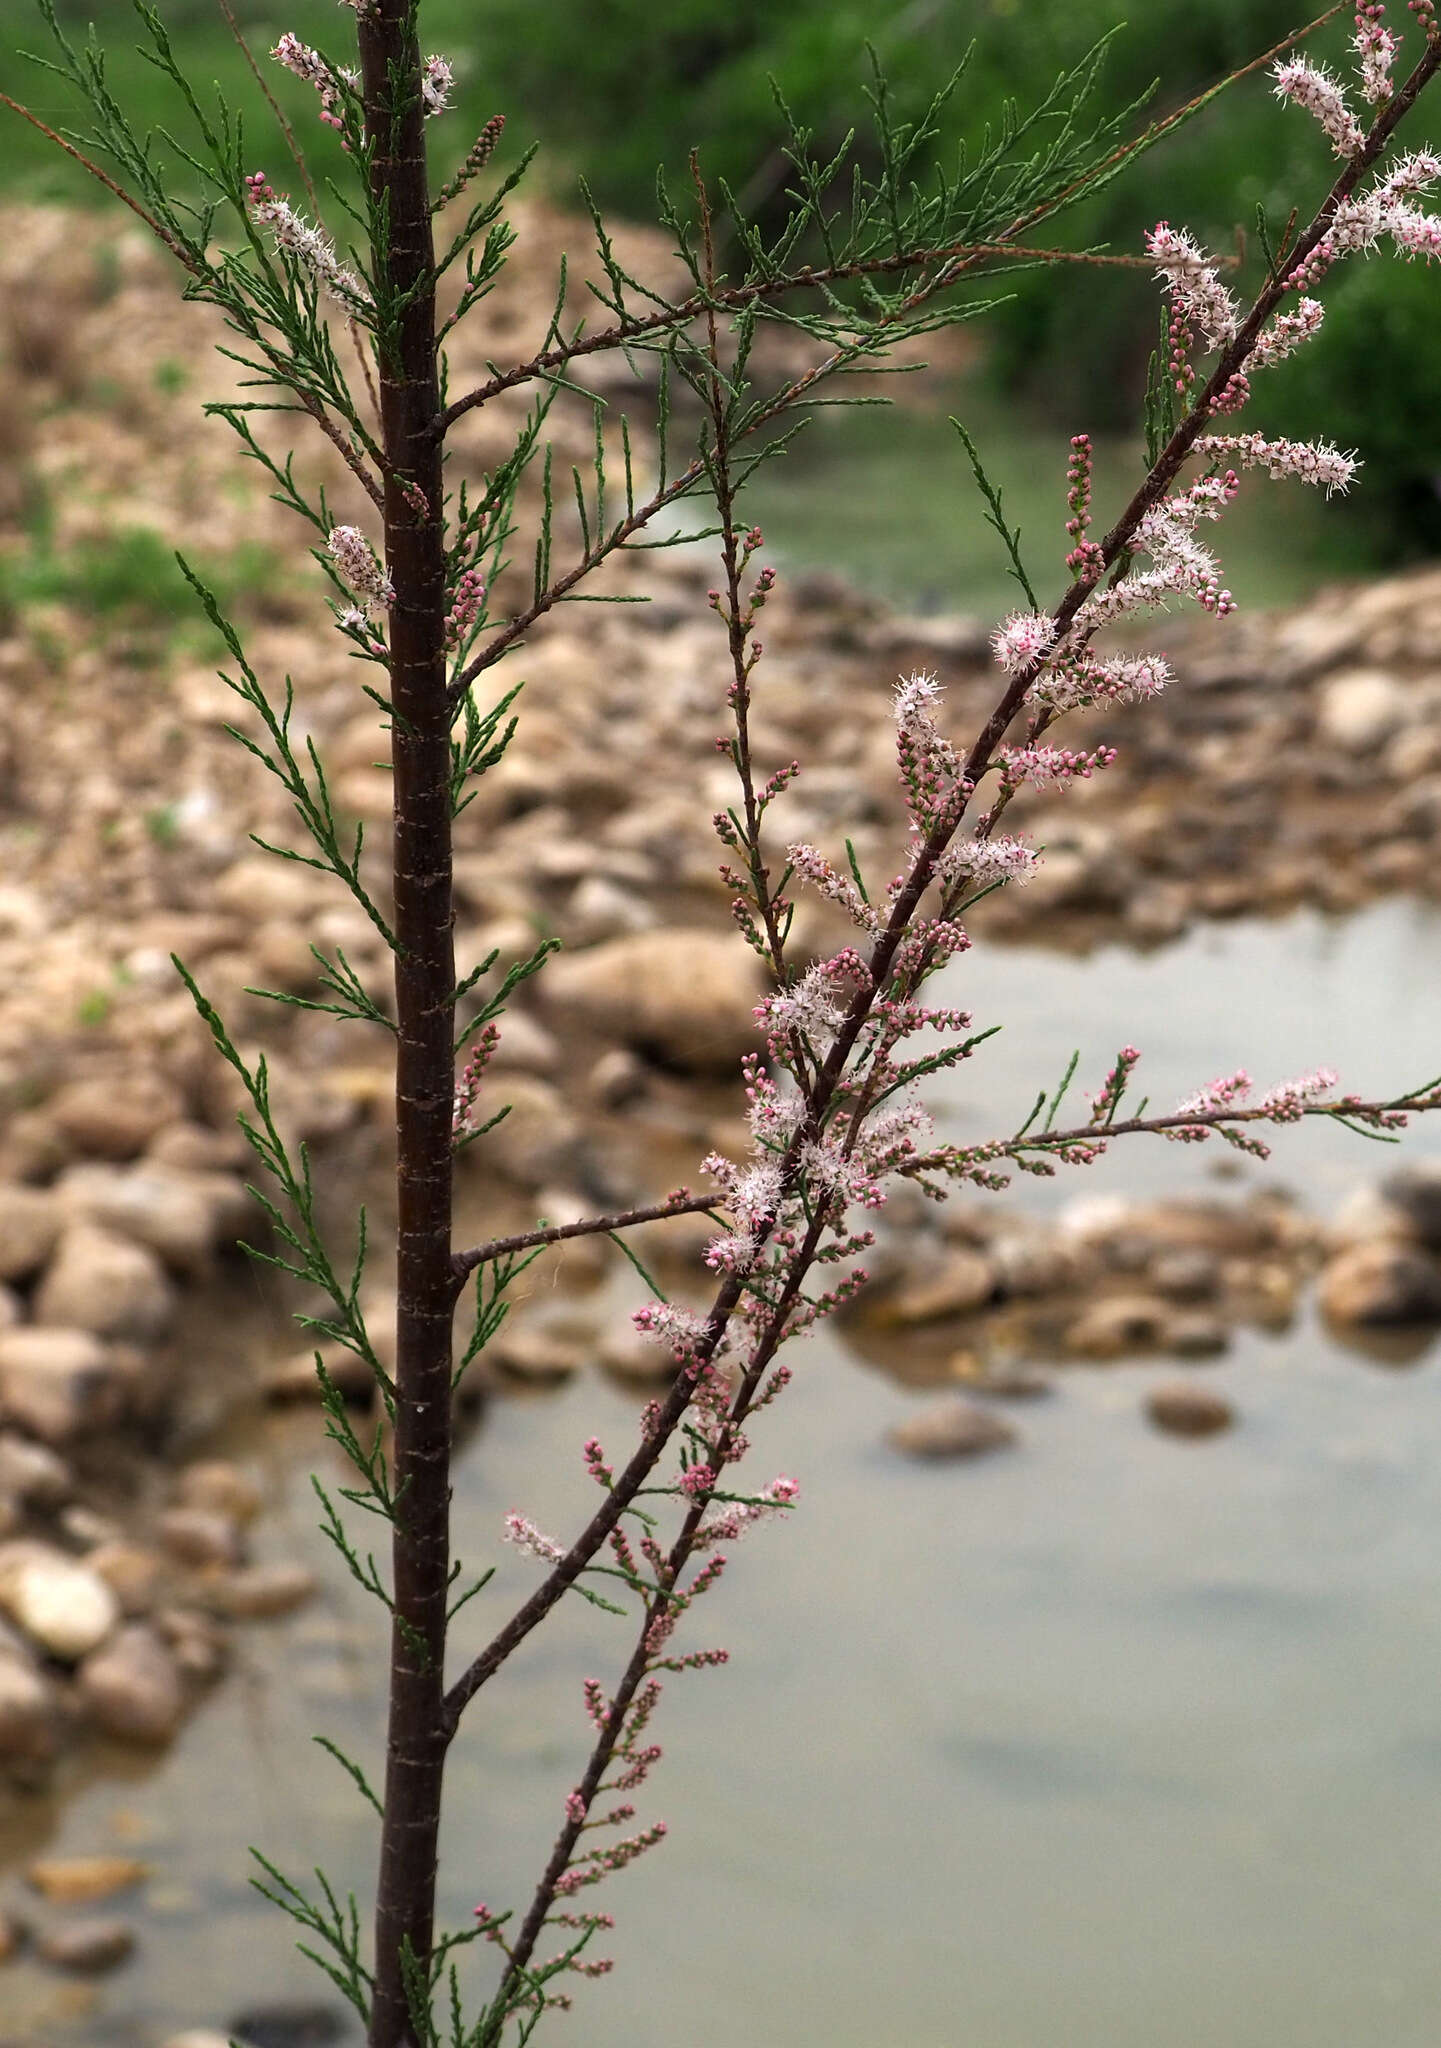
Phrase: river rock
{"type": "Point", "coordinates": [32, 1473]}
{"type": "Point", "coordinates": [1118, 1324]}
{"type": "Point", "coordinates": [1364, 1215]}
{"type": "Point", "coordinates": [1156, 913]}
{"type": "Point", "coordinates": [525, 1047]}
{"type": "Point", "coordinates": [616, 1079]}
{"type": "Point", "coordinates": [106, 1284]}
{"type": "Point", "coordinates": [31, 1220]}
{"type": "Point", "coordinates": [630, 1357]}
{"type": "Point", "coordinates": [84, 1528]}
{"type": "Point", "coordinates": [197, 1641]}
{"type": "Point", "coordinates": [89, 1946]}
{"type": "Point", "coordinates": [220, 1487]}
{"type": "Point", "coordinates": [687, 996]}
{"type": "Point", "coordinates": [1361, 708]}
{"type": "Point", "coordinates": [58, 1383]}
{"type": "Point", "coordinates": [952, 1428]}
{"type": "Point", "coordinates": [956, 1284]}
{"type": "Point", "coordinates": [131, 1688]}
{"type": "Point", "coordinates": [177, 1215]}
{"type": "Point", "coordinates": [295, 1378]}
{"type": "Point", "coordinates": [1381, 1283]}
{"type": "Point", "coordinates": [1187, 1410]}
{"type": "Point", "coordinates": [539, 1139]}
{"type": "Point", "coordinates": [1201, 1225]}
{"type": "Point", "coordinates": [1004, 1382]}
{"type": "Point", "coordinates": [288, 2024]}
{"type": "Point", "coordinates": [196, 1148]}
{"type": "Point", "coordinates": [63, 1606]}
{"type": "Point", "coordinates": [199, 1537]}
{"type": "Point", "coordinates": [257, 889]}
{"type": "Point", "coordinates": [1196, 1336]}
{"type": "Point", "coordinates": [601, 909]}
{"type": "Point", "coordinates": [1183, 1275]}
{"type": "Point", "coordinates": [29, 1724]}
{"type": "Point", "coordinates": [535, 1355]}
{"type": "Point", "coordinates": [81, 1880]}
{"type": "Point", "coordinates": [115, 1116]}
{"type": "Point", "coordinates": [133, 1574]}
{"type": "Point", "coordinates": [1031, 1263]}
{"type": "Point", "coordinates": [1414, 1193]}
{"type": "Point", "coordinates": [259, 1592]}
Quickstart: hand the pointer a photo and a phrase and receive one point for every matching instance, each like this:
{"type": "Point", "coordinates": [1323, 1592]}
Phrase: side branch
{"type": "Point", "coordinates": [161, 233]}
{"type": "Point", "coordinates": [680, 1204]}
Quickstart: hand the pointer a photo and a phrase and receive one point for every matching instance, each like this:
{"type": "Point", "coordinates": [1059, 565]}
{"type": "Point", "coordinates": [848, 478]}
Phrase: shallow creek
{"type": "Point", "coordinates": [1108, 1740]}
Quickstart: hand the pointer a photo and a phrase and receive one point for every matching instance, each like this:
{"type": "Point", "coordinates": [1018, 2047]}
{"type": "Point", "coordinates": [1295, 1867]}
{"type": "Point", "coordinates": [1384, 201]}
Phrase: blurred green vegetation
{"type": "Point", "coordinates": [128, 576]}
{"type": "Point", "coordinates": [614, 87]}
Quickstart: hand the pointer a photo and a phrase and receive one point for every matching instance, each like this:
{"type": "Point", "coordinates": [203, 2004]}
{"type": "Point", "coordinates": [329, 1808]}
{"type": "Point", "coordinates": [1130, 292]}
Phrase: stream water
{"type": "Point", "coordinates": [1111, 1740]}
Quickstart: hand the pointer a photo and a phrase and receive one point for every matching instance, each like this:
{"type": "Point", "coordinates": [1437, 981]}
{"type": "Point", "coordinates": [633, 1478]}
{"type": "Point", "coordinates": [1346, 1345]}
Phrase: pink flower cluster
{"type": "Point", "coordinates": [1195, 288]}
{"type": "Point", "coordinates": [1311, 86]}
{"type": "Point", "coordinates": [355, 559]}
{"type": "Point", "coordinates": [729, 1520]}
{"type": "Point", "coordinates": [295, 237]}
{"type": "Point", "coordinates": [1023, 640]}
{"type": "Point", "coordinates": [523, 1533]}
{"type": "Point", "coordinates": [436, 86]}
{"type": "Point", "coordinates": [1311, 462]}
{"type": "Point", "coordinates": [309, 65]}
{"type": "Point", "coordinates": [1361, 221]}
{"type": "Point", "coordinates": [1376, 49]}
{"type": "Point", "coordinates": [467, 603]}
{"type": "Point", "coordinates": [1044, 766]}
{"type": "Point", "coordinates": [985, 861]}
{"type": "Point", "coordinates": [467, 1087]}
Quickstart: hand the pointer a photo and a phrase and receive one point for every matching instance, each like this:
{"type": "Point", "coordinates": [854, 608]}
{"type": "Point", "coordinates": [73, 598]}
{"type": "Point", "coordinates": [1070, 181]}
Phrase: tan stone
{"type": "Point", "coordinates": [63, 1606]}
{"type": "Point", "coordinates": [131, 1688]}
{"type": "Point", "coordinates": [1379, 1283]}
{"type": "Point", "coordinates": [1187, 1410]}
{"type": "Point", "coordinates": [686, 995]}
{"type": "Point", "coordinates": [104, 1283]}
{"type": "Point", "coordinates": [952, 1428]}
{"type": "Point", "coordinates": [31, 1220]}
{"type": "Point", "coordinates": [80, 1880]}
{"type": "Point", "coordinates": [57, 1383]}
{"type": "Point", "coordinates": [115, 1116]}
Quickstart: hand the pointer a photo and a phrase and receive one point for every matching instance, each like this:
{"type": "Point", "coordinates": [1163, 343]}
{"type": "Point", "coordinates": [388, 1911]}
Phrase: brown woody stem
{"type": "Point", "coordinates": [426, 1285]}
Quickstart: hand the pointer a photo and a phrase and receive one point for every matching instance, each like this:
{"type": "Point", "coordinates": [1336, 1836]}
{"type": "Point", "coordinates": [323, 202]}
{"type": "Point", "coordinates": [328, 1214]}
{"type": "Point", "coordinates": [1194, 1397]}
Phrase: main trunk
{"type": "Point", "coordinates": [424, 983]}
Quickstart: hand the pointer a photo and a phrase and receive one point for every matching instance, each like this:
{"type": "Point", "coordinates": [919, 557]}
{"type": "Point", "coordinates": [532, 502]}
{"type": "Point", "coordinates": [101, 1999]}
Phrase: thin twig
{"type": "Point", "coordinates": [466, 1262]}
{"type": "Point", "coordinates": [161, 233]}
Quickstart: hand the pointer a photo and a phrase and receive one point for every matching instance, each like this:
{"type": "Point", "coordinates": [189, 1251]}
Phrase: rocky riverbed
{"type": "Point", "coordinates": [1296, 760]}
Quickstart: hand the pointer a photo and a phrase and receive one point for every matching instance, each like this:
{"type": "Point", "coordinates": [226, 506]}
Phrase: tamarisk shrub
{"type": "Point", "coordinates": [864, 259]}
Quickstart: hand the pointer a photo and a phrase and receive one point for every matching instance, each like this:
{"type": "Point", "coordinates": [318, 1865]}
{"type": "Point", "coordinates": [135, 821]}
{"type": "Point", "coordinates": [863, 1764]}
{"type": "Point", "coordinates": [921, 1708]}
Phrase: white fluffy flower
{"type": "Point", "coordinates": [1024, 638]}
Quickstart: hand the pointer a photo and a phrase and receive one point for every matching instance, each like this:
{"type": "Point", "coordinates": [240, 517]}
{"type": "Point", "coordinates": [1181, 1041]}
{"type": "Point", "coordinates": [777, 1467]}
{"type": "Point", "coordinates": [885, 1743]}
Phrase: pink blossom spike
{"type": "Point", "coordinates": [1195, 288]}
{"type": "Point", "coordinates": [1311, 86]}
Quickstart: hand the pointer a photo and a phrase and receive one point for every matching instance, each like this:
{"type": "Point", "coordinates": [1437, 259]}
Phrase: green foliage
{"type": "Point", "coordinates": [128, 575]}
